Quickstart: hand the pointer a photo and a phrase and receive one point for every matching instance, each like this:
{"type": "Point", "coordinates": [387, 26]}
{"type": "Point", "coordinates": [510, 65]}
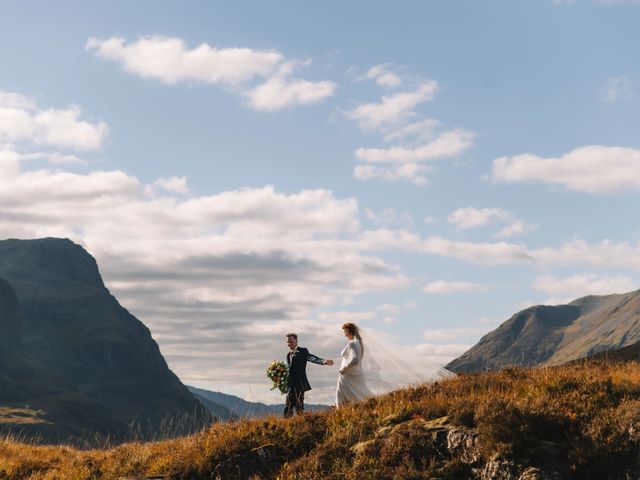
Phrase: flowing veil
{"type": "Point", "coordinates": [388, 366]}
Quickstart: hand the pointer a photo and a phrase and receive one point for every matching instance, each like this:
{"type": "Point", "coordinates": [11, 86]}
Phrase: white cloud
{"type": "Point", "coordinates": [606, 254]}
{"type": "Point", "coordinates": [389, 217]}
{"type": "Point", "coordinates": [516, 227]}
{"type": "Point", "coordinates": [592, 169]}
{"type": "Point", "coordinates": [346, 316]}
{"type": "Point", "coordinates": [464, 218]}
{"type": "Point", "coordinates": [469, 217]}
{"type": "Point", "coordinates": [448, 144]}
{"type": "Point", "coordinates": [8, 154]}
{"type": "Point", "coordinates": [383, 76]}
{"type": "Point", "coordinates": [263, 76]}
{"type": "Point", "coordinates": [418, 141]}
{"type": "Point", "coordinates": [422, 131]}
{"type": "Point", "coordinates": [281, 91]}
{"type": "Point", "coordinates": [405, 163]}
{"type": "Point", "coordinates": [392, 109]}
{"type": "Point", "coordinates": [411, 172]}
{"type": "Point", "coordinates": [172, 184]}
{"type": "Point", "coordinates": [210, 274]}
{"type": "Point", "coordinates": [618, 89]}
{"type": "Point", "coordinates": [442, 286]}
{"type": "Point", "coordinates": [484, 253]}
{"type": "Point", "coordinates": [170, 61]}
{"type": "Point", "coordinates": [581, 285]}
{"type": "Point", "coordinates": [21, 121]}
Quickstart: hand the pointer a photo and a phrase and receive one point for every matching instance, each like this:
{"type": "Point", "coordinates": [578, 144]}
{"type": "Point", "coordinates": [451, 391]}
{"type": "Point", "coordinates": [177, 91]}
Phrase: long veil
{"type": "Point", "coordinates": [388, 366]}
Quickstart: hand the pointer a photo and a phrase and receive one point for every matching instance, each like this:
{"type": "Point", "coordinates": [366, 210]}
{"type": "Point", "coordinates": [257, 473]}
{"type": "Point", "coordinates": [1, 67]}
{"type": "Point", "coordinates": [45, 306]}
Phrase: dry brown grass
{"type": "Point", "coordinates": [582, 418]}
{"type": "Point", "coordinates": [21, 415]}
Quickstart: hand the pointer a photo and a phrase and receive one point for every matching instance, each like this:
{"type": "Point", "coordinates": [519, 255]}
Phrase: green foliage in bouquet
{"type": "Point", "coordinates": [278, 373]}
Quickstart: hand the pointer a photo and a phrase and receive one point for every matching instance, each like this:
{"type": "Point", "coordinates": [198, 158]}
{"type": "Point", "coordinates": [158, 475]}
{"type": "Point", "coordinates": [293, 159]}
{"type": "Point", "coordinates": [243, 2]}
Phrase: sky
{"type": "Point", "coordinates": [242, 170]}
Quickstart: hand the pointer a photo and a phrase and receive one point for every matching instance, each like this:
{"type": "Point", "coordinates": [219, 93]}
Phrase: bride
{"type": "Point", "coordinates": [371, 366]}
{"type": "Point", "coordinates": [352, 384]}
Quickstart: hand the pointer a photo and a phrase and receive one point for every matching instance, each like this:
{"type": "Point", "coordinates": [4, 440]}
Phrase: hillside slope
{"type": "Point", "coordinates": [553, 335]}
{"type": "Point", "coordinates": [576, 422]}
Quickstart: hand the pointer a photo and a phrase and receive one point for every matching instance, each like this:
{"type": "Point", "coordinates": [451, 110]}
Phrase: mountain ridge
{"type": "Point", "coordinates": [553, 335]}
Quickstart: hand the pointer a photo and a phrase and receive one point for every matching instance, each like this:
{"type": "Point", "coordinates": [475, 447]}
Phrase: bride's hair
{"type": "Point", "coordinates": [352, 328]}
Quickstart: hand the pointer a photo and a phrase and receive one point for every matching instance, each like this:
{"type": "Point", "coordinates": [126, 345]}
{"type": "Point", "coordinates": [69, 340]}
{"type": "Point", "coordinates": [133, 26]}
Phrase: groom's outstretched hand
{"type": "Point", "coordinates": [328, 362]}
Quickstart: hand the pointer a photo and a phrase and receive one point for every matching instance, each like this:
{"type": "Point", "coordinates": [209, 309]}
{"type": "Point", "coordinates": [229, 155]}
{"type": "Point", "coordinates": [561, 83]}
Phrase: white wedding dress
{"type": "Point", "coordinates": [377, 365]}
{"type": "Point", "coordinates": [352, 383]}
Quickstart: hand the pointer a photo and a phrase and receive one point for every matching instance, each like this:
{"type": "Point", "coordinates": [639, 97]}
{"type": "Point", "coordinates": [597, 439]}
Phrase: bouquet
{"type": "Point", "coordinates": [278, 373]}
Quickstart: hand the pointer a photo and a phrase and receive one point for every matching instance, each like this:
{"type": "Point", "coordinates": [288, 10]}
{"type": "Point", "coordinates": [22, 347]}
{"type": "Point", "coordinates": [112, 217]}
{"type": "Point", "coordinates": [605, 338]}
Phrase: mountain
{"type": "Point", "coordinates": [33, 400]}
{"type": "Point", "coordinates": [553, 335]}
{"type": "Point", "coordinates": [239, 408]}
{"type": "Point", "coordinates": [71, 324]}
{"type": "Point", "coordinates": [629, 353]}
{"type": "Point", "coordinates": [11, 338]}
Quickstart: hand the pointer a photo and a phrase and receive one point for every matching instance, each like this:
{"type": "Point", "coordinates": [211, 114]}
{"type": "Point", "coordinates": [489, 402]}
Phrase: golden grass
{"type": "Point", "coordinates": [21, 415]}
{"type": "Point", "coordinates": [589, 413]}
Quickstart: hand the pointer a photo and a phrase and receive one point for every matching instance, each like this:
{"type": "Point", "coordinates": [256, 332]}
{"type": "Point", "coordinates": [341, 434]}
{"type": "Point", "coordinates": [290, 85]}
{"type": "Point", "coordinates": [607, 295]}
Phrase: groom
{"type": "Point", "coordinates": [297, 359]}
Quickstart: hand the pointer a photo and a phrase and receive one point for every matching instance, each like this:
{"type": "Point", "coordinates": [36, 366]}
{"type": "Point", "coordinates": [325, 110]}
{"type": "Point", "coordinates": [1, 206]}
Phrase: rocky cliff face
{"type": "Point", "coordinates": [553, 335]}
{"type": "Point", "coordinates": [74, 326]}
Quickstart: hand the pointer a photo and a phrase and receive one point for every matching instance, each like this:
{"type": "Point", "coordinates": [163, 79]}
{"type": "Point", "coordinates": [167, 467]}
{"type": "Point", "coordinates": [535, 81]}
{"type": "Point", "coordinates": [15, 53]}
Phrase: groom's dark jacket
{"type": "Point", "coordinates": [297, 361]}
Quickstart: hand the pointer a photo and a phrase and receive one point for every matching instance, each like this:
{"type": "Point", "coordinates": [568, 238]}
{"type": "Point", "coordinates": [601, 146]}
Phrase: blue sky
{"type": "Point", "coordinates": [241, 170]}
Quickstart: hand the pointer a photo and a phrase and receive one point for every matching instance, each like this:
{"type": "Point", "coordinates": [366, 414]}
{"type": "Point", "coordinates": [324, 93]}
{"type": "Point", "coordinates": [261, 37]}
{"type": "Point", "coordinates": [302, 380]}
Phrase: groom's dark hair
{"type": "Point", "coordinates": [294, 335]}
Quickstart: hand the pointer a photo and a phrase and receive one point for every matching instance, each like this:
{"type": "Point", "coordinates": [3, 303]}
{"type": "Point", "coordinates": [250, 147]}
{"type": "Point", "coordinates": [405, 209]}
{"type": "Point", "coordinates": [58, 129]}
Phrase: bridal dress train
{"type": "Point", "coordinates": [352, 383]}
{"type": "Point", "coordinates": [376, 365]}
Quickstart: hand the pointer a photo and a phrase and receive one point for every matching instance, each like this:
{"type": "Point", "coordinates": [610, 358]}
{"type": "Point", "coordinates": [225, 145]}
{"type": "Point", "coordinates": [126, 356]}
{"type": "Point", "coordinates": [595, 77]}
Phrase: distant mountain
{"type": "Point", "coordinates": [553, 335]}
{"type": "Point", "coordinates": [71, 324]}
{"type": "Point", "coordinates": [240, 408]}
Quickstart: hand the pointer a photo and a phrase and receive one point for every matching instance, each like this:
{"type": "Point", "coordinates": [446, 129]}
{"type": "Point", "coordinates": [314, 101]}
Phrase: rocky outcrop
{"type": "Point", "coordinates": [446, 444]}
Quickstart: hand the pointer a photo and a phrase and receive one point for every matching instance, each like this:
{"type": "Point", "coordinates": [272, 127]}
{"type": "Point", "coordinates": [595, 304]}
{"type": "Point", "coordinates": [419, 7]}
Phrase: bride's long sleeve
{"type": "Point", "coordinates": [352, 359]}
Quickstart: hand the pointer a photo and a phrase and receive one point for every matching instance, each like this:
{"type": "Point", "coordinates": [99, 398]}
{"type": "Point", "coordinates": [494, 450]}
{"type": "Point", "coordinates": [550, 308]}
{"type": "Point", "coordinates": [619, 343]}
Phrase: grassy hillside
{"type": "Point", "coordinates": [579, 421]}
